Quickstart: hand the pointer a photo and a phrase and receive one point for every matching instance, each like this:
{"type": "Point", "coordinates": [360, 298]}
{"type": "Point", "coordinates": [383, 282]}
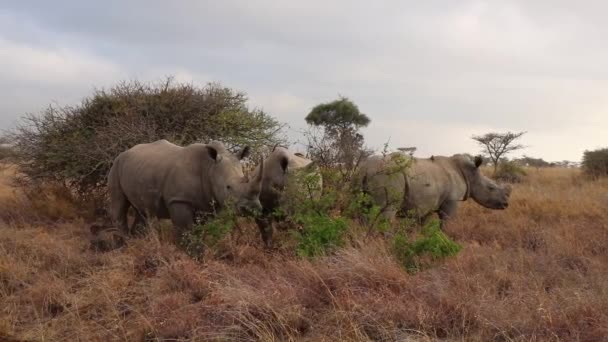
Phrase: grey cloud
{"type": "Point", "coordinates": [453, 67]}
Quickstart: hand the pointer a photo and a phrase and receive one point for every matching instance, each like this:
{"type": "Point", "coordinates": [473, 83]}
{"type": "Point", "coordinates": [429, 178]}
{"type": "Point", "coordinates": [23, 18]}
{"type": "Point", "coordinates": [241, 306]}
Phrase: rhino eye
{"type": "Point", "coordinates": [228, 187]}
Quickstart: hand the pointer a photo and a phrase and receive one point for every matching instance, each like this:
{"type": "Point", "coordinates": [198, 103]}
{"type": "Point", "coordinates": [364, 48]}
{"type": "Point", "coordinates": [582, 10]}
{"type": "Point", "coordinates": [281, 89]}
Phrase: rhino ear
{"type": "Point", "coordinates": [245, 152]}
{"type": "Point", "coordinates": [284, 162]}
{"type": "Point", "coordinates": [478, 161]}
{"type": "Point", "coordinates": [212, 152]}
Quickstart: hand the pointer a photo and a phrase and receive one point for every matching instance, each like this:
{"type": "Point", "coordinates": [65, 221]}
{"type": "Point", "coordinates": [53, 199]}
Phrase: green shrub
{"type": "Point", "coordinates": [319, 234]}
{"type": "Point", "coordinates": [362, 207]}
{"type": "Point", "coordinates": [309, 204]}
{"type": "Point", "coordinates": [207, 232]}
{"type": "Point", "coordinates": [432, 245]}
{"type": "Point", "coordinates": [595, 163]}
{"type": "Point", "coordinates": [510, 172]}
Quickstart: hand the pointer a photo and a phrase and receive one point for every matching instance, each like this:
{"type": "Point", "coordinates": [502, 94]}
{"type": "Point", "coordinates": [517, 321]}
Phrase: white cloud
{"type": "Point", "coordinates": [59, 66]}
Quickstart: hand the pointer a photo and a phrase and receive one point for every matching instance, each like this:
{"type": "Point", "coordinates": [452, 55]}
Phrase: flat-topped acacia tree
{"type": "Point", "coordinates": [497, 145]}
{"type": "Point", "coordinates": [341, 120]}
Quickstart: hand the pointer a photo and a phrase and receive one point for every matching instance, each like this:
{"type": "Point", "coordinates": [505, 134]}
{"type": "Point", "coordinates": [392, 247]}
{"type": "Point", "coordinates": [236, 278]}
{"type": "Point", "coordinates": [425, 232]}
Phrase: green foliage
{"type": "Point", "coordinates": [340, 144]}
{"type": "Point", "coordinates": [309, 207]}
{"type": "Point", "coordinates": [207, 232]}
{"type": "Point", "coordinates": [361, 206]}
{"type": "Point", "coordinates": [302, 192]}
{"type": "Point", "coordinates": [432, 245]}
{"type": "Point", "coordinates": [510, 172]}
{"type": "Point", "coordinates": [595, 163]}
{"type": "Point", "coordinates": [319, 234]}
{"type": "Point", "coordinates": [77, 145]}
{"type": "Point", "coordinates": [338, 113]}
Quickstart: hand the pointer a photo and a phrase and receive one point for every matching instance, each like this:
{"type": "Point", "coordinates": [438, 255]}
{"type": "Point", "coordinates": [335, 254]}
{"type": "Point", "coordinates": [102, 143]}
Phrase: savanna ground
{"type": "Point", "coordinates": [536, 271]}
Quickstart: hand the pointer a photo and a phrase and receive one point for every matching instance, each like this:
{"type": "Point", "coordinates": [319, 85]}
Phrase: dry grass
{"type": "Point", "coordinates": [536, 271]}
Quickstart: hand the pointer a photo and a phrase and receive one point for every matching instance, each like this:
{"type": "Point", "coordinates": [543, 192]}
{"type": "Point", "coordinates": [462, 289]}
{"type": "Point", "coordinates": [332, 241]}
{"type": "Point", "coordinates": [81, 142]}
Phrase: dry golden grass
{"type": "Point", "coordinates": [536, 271]}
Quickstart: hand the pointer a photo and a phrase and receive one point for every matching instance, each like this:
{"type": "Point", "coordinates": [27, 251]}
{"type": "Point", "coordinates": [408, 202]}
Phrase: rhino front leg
{"type": "Point", "coordinates": [182, 216]}
{"type": "Point", "coordinates": [446, 211]}
{"type": "Point", "coordinates": [265, 225]}
{"type": "Point", "coordinates": [140, 223]}
{"type": "Point", "coordinates": [118, 210]}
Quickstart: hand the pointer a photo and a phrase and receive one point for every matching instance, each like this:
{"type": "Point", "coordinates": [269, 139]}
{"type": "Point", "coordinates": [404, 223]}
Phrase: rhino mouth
{"type": "Point", "coordinates": [502, 206]}
{"type": "Point", "coordinates": [496, 205]}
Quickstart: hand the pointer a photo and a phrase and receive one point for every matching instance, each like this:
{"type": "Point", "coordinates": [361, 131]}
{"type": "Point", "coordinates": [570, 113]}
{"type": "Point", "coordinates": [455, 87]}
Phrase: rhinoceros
{"type": "Point", "coordinates": [407, 186]}
{"type": "Point", "coordinates": [164, 180]}
{"type": "Point", "coordinates": [281, 169]}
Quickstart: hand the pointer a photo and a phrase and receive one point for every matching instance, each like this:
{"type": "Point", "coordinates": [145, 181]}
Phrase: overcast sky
{"type": "Point", "coordinates": [428, 73]}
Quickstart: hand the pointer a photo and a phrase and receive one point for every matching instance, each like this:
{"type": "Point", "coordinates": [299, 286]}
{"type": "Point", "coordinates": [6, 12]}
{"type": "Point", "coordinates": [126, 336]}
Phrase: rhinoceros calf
{"type": "Point", "coordinates": [428, 186]}
{"type": "Point", "coordinates": [169, 181]}
{"type": "Point", "coordinates": [279, 171]}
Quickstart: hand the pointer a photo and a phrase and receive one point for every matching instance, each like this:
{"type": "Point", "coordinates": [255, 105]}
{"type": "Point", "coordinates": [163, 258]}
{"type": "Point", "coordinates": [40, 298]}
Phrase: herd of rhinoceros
{"type": "Point", "coordinates": [167, 181]}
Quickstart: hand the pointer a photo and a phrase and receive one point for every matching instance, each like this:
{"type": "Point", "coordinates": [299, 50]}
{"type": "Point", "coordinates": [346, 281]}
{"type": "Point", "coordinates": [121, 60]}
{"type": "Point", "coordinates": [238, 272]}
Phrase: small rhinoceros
{"type": "Point", "coordinates": [164, 180]}
{"type": "Point", "coordinates": [404, 185]}
{"type": "Point", "coordinates": [283, 175]}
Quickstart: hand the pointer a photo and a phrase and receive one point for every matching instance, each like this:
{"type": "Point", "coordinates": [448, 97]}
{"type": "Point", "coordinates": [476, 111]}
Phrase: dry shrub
{"type": "Point", "coordinates": [38, 203]}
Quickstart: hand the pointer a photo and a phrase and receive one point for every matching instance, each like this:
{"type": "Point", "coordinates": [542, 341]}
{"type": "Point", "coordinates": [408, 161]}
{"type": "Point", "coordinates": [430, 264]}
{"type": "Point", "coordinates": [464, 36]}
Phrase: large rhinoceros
{"type": "Point", "coordinates": [164, 180]}
{"type": "Point", "coordinates": [407, 186]}
{"type": "Point", "coordinates": [281, 169]}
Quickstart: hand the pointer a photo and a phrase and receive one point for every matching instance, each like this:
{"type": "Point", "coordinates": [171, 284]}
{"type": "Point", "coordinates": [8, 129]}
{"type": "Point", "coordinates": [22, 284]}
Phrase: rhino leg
{"type": "Point", "coordinates": [182, 216]}
{"type": "Point", "coordinates": [265, 224]}
{"type": "Point", "coordinates": [118, 210]}
{"type": "Point", "coordinates": [447, 210]}
{"type": "Point", "coordinates": [139, 223]}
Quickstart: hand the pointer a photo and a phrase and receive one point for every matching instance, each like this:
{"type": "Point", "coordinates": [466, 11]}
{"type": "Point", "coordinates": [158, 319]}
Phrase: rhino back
{"type": "Point", "coordinates": [382, 186]}
{"type": "Point", "coordinates": [156, 174]}
{"type": "Point", "coordinates": [431, 182]}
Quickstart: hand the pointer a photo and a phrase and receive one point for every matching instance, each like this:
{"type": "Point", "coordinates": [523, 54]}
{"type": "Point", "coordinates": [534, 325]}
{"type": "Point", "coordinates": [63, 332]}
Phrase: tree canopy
{"type": "Point", "coordinates": [497, 145]}
{"type": "Point", "coordinates": [340, 113]}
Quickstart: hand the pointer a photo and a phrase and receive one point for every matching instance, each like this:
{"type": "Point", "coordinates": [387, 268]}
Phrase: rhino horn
{"type": "Point", "coordinates": [256, 184]}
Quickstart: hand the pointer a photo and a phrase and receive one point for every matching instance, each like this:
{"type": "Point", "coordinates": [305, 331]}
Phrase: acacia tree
{"type": "Point", "coordinates": [497, 145]}
{"type": "Point", "coordinates": [341, 142]}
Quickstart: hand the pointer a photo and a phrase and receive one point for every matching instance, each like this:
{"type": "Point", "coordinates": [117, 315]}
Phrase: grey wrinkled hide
{"type": "Point", "coordinates": [164, 180]}
{"type": "Point", "coordinates": [278, 167]}
{"type": "Point", "coordinates": [433, 185]}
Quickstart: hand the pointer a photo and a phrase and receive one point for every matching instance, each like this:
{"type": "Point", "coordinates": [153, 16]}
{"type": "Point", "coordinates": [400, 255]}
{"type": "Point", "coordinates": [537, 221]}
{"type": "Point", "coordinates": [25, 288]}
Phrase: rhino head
{"type": "Point", "coordinates": [482, 189]}
{"type": "Point", "coordinates": [228, 181]}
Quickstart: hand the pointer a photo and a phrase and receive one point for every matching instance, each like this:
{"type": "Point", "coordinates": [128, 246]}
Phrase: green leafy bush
{"type": "Point", "coordinates": [430, 246]}
{"type": "Point", "coordinates": [319, 234]}
{"type": "Point", "coordinates": [362, 207]}
{"type": "Point", "coordinates": [208, 231]}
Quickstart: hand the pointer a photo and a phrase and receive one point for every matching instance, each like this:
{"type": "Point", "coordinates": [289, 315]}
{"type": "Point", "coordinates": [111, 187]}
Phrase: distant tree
{"type": "Point", "coordinates": [595, 163]}
{"type": "Point", "coordinates": [497, 145]}
{"type": "Point", "coordinates": [340, 143]}
{"type": "Point", "coordinates": [533, 162]}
